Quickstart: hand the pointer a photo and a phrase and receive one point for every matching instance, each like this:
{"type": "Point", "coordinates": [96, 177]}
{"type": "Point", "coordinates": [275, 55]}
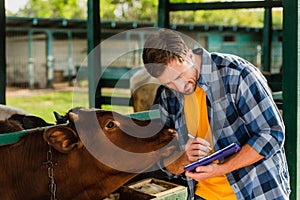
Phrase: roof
{"type": "Point", "coordinates": [61, 23]}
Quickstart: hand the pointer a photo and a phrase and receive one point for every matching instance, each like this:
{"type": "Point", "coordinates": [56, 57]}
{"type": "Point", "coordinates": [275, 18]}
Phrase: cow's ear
{"type": "Point", "coordinates": [62, 138]}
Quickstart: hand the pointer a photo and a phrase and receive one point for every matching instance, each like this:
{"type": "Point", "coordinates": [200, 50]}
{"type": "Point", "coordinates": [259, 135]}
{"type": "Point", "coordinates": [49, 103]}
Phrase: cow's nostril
{"type": "Point", "coordinates": [110, 124]}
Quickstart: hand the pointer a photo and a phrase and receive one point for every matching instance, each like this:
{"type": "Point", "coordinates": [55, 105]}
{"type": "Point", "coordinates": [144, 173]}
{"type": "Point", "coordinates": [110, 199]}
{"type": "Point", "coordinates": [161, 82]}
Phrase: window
{"type": "Point", "coordinates": [229, 38]}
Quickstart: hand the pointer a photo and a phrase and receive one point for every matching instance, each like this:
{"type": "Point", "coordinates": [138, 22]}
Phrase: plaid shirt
{"type": "Point", "coordinates": [241, 110]}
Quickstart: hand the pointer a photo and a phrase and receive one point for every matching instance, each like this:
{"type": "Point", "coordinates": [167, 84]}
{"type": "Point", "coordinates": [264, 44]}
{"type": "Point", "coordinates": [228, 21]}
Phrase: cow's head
{"type": "Point", "coordinates": [18, 122]}
{"type": "Point", "coordinates": [116, 140]}
{"type": "Point", "coordinates": [29, 121]}
{"type": "Point", "coordinates": [7, 126]}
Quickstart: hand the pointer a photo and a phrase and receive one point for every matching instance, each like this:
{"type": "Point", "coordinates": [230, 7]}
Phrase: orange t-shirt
{"type": "Point", "coordinates": [195, 111]}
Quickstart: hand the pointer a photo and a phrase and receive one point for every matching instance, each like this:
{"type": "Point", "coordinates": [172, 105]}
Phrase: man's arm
{"type": "Point", "coordinates": [246, 156]}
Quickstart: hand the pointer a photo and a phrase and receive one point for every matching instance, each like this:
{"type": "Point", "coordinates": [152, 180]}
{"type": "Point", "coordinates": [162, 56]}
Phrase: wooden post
{"type": "Point", "coordinates": [163, 14]}
{"type": "Point", "coordinates": [291, 88]}
{"type": "Point", "coordinates": [70, 58]}
{"type": "Point", "coordinates": [50, 60]}
{"type": "Point", "coordinates": [267, 38]}
{"type": "Point", "coordinates": [30, 61]}
{"type": "Point", "coordinates": [2, 53]}
{"type": "Point", "coordinates": [93, 36]}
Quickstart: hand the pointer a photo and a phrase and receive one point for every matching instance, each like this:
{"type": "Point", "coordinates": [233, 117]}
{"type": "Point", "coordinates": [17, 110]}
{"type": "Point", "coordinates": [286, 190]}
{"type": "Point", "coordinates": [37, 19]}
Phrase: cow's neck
{"type": "Point", "coordinates": [77, 175]}
{"type": "Point", "coordinates": [89, 178]}
{"type": "Point", "coordinates": [25, 175]}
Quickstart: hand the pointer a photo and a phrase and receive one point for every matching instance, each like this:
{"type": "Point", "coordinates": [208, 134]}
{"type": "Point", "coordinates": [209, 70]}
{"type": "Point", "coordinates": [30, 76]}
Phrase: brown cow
{"type": "Point", "coordinates": [19, 122]}
{"type": "Point", "coordinates": [29, 121]}
{"type": "Point", "coordinates": [7, 126]}
{"type": "Point", "coordinates": [26, 166]}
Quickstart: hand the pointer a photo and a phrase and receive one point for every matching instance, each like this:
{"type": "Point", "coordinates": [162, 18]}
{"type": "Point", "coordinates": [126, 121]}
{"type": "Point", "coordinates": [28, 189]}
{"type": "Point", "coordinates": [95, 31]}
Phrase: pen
{"type": "Point", "coordinates": [193, 137]}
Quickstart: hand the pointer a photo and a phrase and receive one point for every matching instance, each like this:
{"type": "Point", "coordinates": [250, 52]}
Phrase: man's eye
{"type": "Point", "coordinates": [180, 76]}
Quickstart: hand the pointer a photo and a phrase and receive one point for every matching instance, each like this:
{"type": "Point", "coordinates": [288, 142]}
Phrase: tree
{"type": "Point", "coordinates": [146, 10]}
{"type": "Point", "coordinates": [132, 10]}
{"type": "Point", "coordinates": [235, 17]}
{"type": "Point", "coordinates": [54, 8]}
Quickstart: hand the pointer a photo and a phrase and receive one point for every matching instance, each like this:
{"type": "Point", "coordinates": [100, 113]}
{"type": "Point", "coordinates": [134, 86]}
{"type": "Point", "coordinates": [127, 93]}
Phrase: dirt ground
{"type": "Point", "coordinates": [12, 91]}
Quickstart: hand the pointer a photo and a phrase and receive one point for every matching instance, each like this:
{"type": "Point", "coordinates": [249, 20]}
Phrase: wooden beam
{"type": "Point", "coordinates": [93, 36]}
{"type": "Point", "coordinates": [291, 89]}
{"type": "Point", "coordinates": [267, 40]}
{"type": "Point", "coordinates": [163, 14]}
{"type": "Point", "coordinates": [2, 53]}
{"type": "Point", "coordinates": [224, 5]}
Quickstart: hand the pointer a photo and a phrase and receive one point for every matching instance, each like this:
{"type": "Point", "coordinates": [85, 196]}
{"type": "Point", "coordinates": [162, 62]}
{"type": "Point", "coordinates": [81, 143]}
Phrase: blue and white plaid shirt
{"type": "Point", "coordinates": [241, 110]}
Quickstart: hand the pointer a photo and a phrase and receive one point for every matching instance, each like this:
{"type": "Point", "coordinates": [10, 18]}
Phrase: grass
{"type": "Point", "coordinates": [43, 105]}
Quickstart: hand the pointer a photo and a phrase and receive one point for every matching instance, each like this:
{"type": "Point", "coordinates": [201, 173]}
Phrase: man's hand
{"type": "Point", "coordinates": [197, 148]}
{"type": "Point", "coordinates": [246, 156]}
{"type": "Point", "coordinates": [204, 172]}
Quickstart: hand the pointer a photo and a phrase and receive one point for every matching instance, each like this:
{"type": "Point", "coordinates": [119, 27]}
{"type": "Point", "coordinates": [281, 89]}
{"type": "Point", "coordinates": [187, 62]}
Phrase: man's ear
{"type": "Point", "coordinates": [62, 138]}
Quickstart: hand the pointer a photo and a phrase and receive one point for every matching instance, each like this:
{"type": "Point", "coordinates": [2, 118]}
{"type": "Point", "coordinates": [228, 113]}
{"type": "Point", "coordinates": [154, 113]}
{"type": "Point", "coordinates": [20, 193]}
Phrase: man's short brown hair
{"type": "Point", "coordinates": [161, 48]}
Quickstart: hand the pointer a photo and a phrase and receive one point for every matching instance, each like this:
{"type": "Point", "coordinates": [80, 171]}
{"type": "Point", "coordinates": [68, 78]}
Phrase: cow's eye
{"type": "Point", "coordinates": [110, 124]}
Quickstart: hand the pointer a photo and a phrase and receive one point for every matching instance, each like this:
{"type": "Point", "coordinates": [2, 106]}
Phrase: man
{"type": "Point", "coordinates": [219, 99]}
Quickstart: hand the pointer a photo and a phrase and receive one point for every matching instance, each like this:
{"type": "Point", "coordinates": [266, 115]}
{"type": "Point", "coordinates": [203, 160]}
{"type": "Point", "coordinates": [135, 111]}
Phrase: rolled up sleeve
{"type": "Point", "coordinates": [260, 114]}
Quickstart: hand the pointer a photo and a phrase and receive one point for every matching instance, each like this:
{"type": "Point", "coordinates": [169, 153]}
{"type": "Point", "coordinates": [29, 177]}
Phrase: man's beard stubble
{"type": "Point", "coordinates": [193, 82]}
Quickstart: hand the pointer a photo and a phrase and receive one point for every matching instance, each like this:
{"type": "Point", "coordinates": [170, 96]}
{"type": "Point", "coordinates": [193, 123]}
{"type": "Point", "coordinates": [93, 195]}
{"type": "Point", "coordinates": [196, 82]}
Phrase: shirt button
{"type": "Point", "coordinates": [235, 188]}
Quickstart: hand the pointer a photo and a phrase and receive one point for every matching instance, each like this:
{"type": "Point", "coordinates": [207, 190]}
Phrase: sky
{"type": "Point", "coordinates": [14, 5]}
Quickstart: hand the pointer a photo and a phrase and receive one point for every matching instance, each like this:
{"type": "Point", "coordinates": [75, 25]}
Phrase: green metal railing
{"type": "Point", "coordinates": [2, 53]}
{"type": "Point", "coordinates": [291, 89]}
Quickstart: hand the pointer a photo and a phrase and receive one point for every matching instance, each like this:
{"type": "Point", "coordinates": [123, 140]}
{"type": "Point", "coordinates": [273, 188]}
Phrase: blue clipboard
{"type": "Point", "coordinates": [218, 155]}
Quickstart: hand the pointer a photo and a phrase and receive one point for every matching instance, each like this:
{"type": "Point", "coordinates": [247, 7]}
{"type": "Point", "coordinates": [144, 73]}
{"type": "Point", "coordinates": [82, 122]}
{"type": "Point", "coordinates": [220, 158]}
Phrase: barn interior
{"type": "Point", "coordinates": [276, 52]}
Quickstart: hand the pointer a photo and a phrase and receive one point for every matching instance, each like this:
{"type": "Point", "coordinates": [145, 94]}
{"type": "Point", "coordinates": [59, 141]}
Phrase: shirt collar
{"type": "Point", "coordinates": [206, 67]}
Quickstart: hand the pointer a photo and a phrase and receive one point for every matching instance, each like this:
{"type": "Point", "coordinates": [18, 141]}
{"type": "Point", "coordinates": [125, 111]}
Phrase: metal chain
{"type": "Point", "coordinates": [49, 163]}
